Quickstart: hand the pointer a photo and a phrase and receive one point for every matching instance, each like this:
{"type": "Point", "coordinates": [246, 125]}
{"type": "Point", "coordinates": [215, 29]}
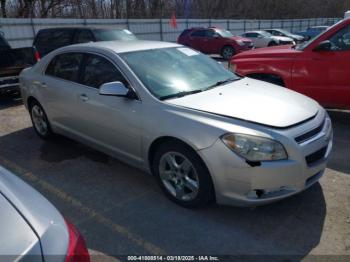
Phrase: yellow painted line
{"type": "Point", "coordinates": [149, 247]}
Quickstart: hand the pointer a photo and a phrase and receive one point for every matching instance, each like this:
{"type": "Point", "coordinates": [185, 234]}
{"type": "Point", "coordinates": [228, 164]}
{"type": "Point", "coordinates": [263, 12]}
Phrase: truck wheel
{"type": "Point", "coordinates": [227, 52]}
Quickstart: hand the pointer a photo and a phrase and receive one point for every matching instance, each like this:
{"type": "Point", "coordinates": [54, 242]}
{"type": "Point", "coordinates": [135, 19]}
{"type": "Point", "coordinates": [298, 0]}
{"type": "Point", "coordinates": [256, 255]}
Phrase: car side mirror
{"type": "Point", "coordinates": [114, 89]}
{"type": "Point", "coordinates": [323, 46]}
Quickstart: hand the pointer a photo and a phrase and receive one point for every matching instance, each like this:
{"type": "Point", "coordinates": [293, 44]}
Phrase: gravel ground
{"type": "Point", "coordinates": [121, 211]}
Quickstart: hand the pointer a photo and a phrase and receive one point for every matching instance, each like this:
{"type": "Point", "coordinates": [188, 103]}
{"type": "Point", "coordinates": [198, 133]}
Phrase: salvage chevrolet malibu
{"type": "Point", "coordinates": [202, 131]}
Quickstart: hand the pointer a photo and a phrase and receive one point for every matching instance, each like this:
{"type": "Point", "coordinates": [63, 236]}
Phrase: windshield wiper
{"type": "Point", "coordinates": [222, 82]}
{"type": "Point", "coordinates": [180, 94]}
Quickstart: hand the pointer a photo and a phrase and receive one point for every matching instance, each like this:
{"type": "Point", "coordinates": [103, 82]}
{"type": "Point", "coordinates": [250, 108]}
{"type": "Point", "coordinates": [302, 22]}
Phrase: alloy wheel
{"type": "Point", "coordinates": [39, 120]}
{"type": "Point", "coordinates": [179, 176]}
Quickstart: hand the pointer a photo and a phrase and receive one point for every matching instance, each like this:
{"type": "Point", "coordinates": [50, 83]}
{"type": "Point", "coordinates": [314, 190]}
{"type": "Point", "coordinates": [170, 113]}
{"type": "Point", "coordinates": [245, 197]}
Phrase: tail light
{"type": "Point", "coordinates": [77, 251]}
{"type": "Point", "coordinates": [36, 55]}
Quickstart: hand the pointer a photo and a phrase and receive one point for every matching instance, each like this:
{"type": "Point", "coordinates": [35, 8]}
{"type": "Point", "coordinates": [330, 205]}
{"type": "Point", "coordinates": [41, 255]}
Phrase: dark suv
{"type": "Point", "coordinates": [12, 62]}
{"type": "Point", "coordinates": [214, 41]}
{"type": "Point", "coordinates": [47, 40]}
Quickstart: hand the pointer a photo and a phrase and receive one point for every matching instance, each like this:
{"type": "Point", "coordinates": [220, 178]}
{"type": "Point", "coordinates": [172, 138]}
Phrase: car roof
{"type": "Point", "coordinates": [78, 27]}
{"type": "Point", "coordinates": [120, 46]}
{"type": "Point", "coordinates": [319, 26]}
{"type": "Point", "coordinates": [256, 31]}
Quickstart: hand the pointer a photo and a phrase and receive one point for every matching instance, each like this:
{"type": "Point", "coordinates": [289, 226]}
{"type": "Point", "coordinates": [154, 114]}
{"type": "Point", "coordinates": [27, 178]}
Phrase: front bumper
{"type": "Point", "coordinates": [240, 184]}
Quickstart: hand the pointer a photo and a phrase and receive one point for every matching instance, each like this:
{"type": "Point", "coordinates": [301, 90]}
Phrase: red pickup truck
{"type": "Point", "coordinates": [319, 68]}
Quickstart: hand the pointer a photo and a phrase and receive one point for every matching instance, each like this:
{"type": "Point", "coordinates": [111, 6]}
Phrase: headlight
{"type": "Point", "coordinates": [254, 148]}
{"type": "Point", "coordinates": [240, 42]}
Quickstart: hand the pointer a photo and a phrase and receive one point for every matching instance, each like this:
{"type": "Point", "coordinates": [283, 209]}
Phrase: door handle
{"type": "Point", "coordinates": [83, 97]}
{"type": "Point", "coordinates": [42, 84]}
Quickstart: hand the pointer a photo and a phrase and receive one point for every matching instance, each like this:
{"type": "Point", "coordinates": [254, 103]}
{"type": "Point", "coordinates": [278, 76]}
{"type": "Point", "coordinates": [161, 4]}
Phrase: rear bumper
{"type": "Point", "coordinates": [9, 84]}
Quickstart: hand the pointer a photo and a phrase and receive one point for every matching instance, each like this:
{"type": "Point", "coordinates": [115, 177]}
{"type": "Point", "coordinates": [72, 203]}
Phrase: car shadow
{"type": "Point", "coordinates": [121, 211]}
{"type": "Point", "coordinates": [339, 159]}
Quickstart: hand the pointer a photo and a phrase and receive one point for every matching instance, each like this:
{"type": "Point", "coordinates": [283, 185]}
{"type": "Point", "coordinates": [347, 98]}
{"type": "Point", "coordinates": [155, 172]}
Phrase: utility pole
{"type": "Point", "coordinates": [160, 21]}
{"type": "Point", "coordinates": [127, 14]}
{"type": "Point", "coordinates": [161, 9]}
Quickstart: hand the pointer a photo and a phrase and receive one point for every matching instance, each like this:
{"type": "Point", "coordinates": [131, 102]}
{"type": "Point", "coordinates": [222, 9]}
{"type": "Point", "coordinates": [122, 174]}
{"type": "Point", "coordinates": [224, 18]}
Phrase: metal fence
{"type": "Point", "coordinates": [20, 32]}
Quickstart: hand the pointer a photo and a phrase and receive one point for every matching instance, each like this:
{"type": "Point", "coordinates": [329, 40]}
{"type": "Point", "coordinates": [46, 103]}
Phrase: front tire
{"type": "Point", "coordinates": [40, 121]}
{"type": "Point", "coordinates": [182, 175]}
{"type": "Point", "coordinates": [227, 52]}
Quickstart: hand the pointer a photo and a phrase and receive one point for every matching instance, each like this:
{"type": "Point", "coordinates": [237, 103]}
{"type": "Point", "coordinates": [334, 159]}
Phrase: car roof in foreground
{"type": "Point", "coordinates": [120, 46]}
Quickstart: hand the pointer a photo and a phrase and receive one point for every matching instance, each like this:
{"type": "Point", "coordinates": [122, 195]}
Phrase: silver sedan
{"type": "Point", "coordinates": [202, 131]}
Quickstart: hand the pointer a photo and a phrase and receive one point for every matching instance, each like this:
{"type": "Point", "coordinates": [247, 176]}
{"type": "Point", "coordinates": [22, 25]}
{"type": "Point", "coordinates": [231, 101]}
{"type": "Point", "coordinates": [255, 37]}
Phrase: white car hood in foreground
{"type": "Point", "coordinates": [254, 101]}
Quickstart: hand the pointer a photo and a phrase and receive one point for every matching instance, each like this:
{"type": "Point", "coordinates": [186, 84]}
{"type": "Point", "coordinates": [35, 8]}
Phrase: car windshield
{"type": "Point", "coordinates": [224, 33]}
{"type": "Point", "coordinates": [177, 71]}
{"type": "Point", "coordinates": [113, 34]}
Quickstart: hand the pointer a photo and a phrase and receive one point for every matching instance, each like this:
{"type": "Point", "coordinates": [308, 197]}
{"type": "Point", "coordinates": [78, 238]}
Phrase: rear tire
{"type": "Point", "coordinates": [227, 52]}
{"type": "Point", "coordinates": [182, 175]}
{"type": "Point", "coordinates": [40, 121]}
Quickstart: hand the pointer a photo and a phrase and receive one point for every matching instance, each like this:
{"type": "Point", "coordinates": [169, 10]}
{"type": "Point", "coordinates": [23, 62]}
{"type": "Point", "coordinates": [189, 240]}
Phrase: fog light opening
{"type": "Point", "coordinates": [259, 192]}
{"type": "Point", "coordinates": [253, 163]}
{"type": "Point", "coordinates": [256, 193]}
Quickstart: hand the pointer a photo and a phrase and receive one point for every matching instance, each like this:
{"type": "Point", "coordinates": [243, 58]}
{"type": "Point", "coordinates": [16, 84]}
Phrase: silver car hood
{"type": "Point", "coordinates": [254, 101]}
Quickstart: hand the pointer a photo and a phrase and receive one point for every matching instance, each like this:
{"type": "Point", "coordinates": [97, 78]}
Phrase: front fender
{"type": "Point", "coordinates": [281, 69]}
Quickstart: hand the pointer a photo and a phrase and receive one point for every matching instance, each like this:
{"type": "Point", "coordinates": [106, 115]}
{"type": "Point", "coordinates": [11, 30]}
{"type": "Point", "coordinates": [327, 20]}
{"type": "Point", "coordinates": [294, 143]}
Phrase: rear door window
{"type": "Point", "coordinates": [65, 66]}
{"type": "Point", "coordinates": [84, 36]}
{"type": "Point", "coordinates": [55, 37]}
{"type": "Point", "coordinates": [209, 33]}
{"type": "Point", "coordinates": [251, 35]}
{"type": "Point", "coordinates": [98, 70]}
{"type": "Point", "coordinates": [198, 33]}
